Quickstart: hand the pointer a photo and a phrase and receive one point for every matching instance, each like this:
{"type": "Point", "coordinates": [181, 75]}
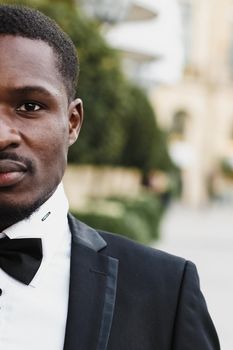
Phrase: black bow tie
{"type": "Point", "coordinates": [21, 258]}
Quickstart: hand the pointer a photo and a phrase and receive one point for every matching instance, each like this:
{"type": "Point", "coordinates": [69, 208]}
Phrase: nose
{"type": "Point", "coordinates": [9, 136]}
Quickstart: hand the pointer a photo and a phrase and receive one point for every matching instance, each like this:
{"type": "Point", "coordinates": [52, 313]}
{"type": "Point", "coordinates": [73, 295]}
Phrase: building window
{"type": "Point", "coordinates": [178, 126]}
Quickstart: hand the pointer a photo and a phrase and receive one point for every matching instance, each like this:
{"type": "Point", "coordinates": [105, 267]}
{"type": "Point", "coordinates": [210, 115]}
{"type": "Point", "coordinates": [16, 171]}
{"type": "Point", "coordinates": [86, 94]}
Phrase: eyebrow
{"type": "Point", "coordinates": [32, 89]}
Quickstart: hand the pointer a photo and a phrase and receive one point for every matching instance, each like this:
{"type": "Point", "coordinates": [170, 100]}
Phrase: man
{"type": "Point", "coordinates": [89, 290]}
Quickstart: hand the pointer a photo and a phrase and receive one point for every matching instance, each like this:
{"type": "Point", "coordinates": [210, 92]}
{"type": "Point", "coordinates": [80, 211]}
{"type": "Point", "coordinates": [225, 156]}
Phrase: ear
{"type": "Point", "coordinates": [75, 113]}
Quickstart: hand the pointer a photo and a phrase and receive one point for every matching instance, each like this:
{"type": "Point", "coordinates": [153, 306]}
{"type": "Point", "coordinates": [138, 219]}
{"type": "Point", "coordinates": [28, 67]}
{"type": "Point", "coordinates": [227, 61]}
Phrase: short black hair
{"type": "Point", "coordinates": [32, 24]}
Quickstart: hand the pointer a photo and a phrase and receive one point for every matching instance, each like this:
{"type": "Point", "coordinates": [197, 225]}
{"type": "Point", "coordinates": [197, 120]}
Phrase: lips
{"type": "Point", "coordinates": [11, 172]}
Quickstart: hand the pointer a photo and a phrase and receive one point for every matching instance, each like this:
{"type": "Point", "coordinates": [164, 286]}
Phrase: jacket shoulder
{"type": "Point", "coordinates": [143, 259]}
{"type": "Point", "coordinates": [121, 245]}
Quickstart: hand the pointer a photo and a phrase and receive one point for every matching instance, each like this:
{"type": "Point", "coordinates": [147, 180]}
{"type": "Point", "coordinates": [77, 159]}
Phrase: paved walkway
{"type": "Point", "coordinates": [205, 236]}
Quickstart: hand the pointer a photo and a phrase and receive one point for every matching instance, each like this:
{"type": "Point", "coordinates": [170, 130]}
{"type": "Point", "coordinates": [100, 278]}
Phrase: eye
{"type": "Point", "coordinates": [29, 107]}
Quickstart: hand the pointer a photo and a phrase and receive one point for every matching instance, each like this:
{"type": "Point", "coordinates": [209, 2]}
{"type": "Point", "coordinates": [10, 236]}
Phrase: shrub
{"type": "Point", "coordinates": [138, 218]}
{"type": "Point", "coordinates": [148, 208]}
{"type": "Point", "coordinates": [129, 226]}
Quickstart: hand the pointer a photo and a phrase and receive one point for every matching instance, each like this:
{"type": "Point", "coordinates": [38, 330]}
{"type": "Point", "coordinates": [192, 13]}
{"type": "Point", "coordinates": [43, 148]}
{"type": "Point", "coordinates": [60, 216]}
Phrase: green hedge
{"type": "Point", "coordinates": [138, 219]}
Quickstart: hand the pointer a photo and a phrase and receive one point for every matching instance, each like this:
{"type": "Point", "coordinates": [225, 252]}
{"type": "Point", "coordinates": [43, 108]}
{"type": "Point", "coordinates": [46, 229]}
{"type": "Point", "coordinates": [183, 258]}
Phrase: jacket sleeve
{"type": "Point", "coordinates": [193, 327]}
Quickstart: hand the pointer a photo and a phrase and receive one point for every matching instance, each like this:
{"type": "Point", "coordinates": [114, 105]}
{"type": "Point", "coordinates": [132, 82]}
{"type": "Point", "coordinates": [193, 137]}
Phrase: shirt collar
{"type": "Point", "coordinates": [49, 223]}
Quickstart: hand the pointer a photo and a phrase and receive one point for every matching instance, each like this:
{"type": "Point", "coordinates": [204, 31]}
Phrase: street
{"type": "Point", "coordinates": [205, 236]}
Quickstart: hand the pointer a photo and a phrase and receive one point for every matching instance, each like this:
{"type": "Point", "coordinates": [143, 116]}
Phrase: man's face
{"type": "Point", "coordinates": [37, 124]}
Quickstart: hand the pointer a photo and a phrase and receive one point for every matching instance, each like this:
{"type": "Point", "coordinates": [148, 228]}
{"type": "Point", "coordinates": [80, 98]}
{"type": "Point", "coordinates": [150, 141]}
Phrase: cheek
{"type": "Point", "coordinates": [56, 145]}
{"type": "Point", "coordinates": [50, 144]}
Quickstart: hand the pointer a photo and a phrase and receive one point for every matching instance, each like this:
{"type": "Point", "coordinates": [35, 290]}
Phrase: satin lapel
{"type": "Point", "coordinates": [93, 279]}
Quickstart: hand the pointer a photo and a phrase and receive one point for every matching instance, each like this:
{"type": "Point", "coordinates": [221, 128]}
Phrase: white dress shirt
{"type": "Point", "coordinates": [34, 317]}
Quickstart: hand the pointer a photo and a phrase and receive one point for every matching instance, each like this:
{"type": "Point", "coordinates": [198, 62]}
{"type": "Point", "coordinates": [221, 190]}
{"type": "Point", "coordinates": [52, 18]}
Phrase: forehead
{"type": "Point", "coordinates": [25, 61]}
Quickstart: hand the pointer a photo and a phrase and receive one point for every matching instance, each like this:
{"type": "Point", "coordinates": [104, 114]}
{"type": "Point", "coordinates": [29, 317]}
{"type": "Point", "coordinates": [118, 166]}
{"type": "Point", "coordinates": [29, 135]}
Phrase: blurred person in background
{"type": "Point", "coordinates": [64, 285]}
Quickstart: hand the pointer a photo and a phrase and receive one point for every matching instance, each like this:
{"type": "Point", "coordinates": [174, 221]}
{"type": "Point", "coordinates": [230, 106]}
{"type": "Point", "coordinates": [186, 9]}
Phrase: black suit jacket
{"type": "Point", "coordinates": [125, 296]}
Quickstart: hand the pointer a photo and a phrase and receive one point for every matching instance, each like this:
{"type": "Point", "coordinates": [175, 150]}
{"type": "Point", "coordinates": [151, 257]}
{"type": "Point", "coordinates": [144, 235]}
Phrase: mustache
{"type": "Point", "coordinates": [15, 157]}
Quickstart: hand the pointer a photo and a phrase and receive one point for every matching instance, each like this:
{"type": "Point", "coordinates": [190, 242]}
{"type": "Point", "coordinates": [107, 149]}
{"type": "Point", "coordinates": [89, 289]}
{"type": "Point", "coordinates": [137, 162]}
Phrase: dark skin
{"type": "Point", "coordinates": [37, 126]}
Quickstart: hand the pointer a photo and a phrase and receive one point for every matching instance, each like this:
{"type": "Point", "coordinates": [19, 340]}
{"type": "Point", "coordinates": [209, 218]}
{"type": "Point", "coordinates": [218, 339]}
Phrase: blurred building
{"type": "Point", "coordinates": [198, 111]}
{"type": "Point", "coordinates": [129, 37]}
{"type": "Point", "coordinates": [147, 35]}
{"type": "Point", "coordinates": [181, 51]}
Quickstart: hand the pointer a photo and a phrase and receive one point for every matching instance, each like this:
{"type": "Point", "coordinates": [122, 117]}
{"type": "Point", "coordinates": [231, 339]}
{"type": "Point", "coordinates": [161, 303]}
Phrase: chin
{"type": "Point", "coordinates": [13, 210]}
